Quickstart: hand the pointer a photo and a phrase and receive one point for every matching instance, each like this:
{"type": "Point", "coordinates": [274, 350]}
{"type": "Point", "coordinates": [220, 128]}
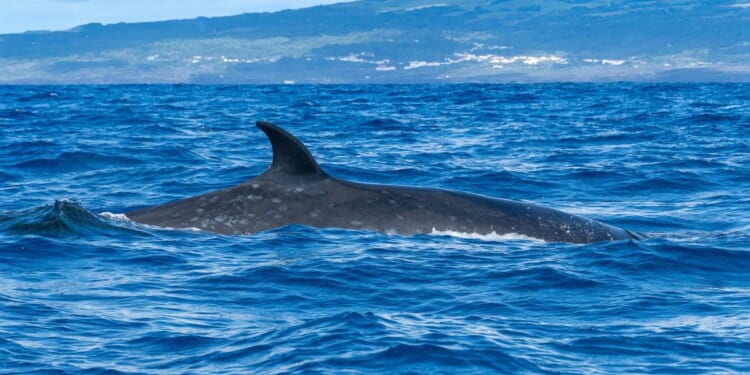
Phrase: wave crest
{"type": "Point", "coordinates": [59, 218]}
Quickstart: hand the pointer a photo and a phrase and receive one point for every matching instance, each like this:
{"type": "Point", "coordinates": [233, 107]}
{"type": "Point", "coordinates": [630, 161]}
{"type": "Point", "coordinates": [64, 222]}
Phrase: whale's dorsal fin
{"type": "Point", "coordinates": [290, 156]}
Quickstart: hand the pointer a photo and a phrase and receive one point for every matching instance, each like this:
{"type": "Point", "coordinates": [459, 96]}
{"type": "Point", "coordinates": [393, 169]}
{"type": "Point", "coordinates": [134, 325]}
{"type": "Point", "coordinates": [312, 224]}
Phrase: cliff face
{"type": "Point", "coordinates": [403, 41]}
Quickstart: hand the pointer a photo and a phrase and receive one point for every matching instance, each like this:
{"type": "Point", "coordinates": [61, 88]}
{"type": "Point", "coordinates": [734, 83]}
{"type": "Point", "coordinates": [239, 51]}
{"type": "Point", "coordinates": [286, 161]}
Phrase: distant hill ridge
{"type": "Point", "coordinates": [402, 41]}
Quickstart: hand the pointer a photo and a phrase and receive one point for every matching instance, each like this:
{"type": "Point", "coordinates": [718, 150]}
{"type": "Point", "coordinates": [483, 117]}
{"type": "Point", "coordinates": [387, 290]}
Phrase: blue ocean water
{"type": "Point", "coordinates": [84, 291]}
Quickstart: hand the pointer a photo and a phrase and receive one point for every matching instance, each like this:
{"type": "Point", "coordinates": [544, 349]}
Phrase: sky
{"type": "Point", "coordinates": [17, 16]}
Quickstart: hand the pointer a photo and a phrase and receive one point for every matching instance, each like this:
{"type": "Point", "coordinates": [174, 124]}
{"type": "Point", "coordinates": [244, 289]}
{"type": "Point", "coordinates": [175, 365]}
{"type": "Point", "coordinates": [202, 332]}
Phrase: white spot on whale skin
{"type": "Point", "coordinates": [276, 200]}
{"type": "Point", "coordinates": [253, 197]}
{"type": "Point", "coordinates": [200, 211]}
{"type": "Point", "coordinates": [356, 223]}
{"type": "Point", "coordinates": [255, 186]}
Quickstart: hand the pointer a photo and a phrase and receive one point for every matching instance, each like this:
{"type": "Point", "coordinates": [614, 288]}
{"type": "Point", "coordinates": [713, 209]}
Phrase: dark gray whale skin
{"type": "Point", "coordinates": [295, 190]}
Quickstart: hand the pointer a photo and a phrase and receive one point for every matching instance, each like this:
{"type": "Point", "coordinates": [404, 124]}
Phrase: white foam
{"type": "Point", "coordinates": [124, 218]}
{"type": "Point", "coordinates": [113, 216]}
{"type": "Point", "coordinates": [493, 236]}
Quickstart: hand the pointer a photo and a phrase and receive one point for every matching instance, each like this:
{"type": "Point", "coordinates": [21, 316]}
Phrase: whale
{"type": "Point", "coordinates": [295, 190]}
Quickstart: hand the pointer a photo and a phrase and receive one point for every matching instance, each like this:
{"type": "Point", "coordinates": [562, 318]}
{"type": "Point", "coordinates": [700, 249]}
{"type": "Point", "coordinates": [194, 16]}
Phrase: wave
{"type": "Point", "coordinates": [372, 343]}
{"type": "Point", "coordinates": [63, 217]}
{"type": "Point", "coordinates": [16, 114]}
{"type": "Point", "coordinates": [710, 118]}
{"type": "Point", "coordinates": [76, 160]}
{"type": "Point", "coordinates": [39, 96]}
{"type": "Point", "coordinates": [385, 124]}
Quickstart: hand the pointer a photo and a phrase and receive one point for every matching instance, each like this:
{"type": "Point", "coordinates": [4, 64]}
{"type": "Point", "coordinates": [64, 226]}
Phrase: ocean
{"type": "Point", "coordinates": [83, 290]}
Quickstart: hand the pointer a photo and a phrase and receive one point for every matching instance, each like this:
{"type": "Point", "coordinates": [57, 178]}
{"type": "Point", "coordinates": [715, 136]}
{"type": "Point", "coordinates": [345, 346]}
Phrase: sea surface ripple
{"type": "Point", "coordinates": [85, 291]}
